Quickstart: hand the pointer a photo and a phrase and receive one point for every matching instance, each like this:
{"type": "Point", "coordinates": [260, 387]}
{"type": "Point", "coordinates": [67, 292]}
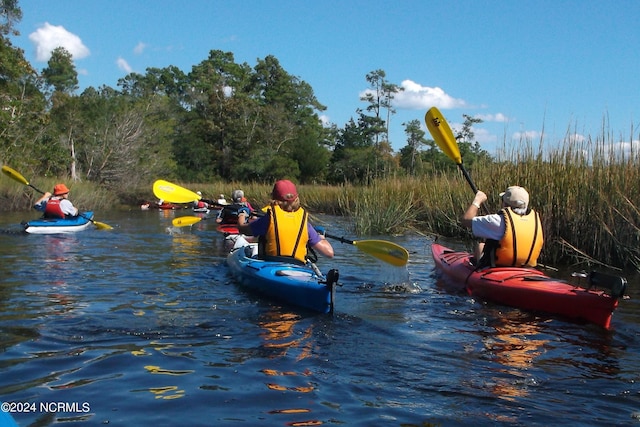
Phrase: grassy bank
{"type": "Point", "coordinates": [587, 193]}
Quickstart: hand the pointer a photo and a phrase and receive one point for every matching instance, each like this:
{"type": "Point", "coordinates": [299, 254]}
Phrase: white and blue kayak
{"type": "Point", "coordinates": [59, 225]}
{"type": "Point", "coordinates": [296, 284]}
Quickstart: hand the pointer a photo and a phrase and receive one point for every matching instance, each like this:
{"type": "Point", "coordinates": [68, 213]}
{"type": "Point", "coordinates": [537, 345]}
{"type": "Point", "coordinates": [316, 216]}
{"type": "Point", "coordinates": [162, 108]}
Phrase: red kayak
{"type": "Point", "coordinates": [228, 229]}
{"type": "Point", "coordinates": [530, 289]}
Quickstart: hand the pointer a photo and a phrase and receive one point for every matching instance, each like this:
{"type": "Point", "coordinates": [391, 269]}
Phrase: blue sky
{"type": "Point", "coordinates": [524, 67]}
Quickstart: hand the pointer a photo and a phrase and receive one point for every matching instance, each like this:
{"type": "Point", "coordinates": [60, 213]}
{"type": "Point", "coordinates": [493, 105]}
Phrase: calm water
{"type": "Point", "coordinates": [141, 325]}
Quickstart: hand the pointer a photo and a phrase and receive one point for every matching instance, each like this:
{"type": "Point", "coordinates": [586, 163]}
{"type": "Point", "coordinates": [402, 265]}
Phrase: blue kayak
{"type": "Point", "coordinates": [59, 225]}
{"type": "Point", "coordinates": [296, 284]}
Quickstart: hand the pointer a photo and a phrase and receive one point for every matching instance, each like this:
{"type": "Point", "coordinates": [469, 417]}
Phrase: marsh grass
{"type": "Point", "coordinates": [86, 196]}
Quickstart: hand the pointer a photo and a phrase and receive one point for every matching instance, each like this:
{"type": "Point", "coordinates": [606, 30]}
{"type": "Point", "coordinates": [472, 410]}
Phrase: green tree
{"type": "Point", "coordinates": [124, 140]}
{"type": "Point", "coordinates": [221, 119]}
{"type": "Point", "coordinates": [354, 157]}
{"type": "Point", "coordinates": [470, 150]}
{"type": "Point", "coordinates": [23, 114]}
{"type": "Point", "coordinates": [410, 158]}
{"type": "Point", "coordinates": [61, 72]}
{"type": "Point", "coordinates": [10, 14]}
{"type": "Point", "coordinates": [379, 96]}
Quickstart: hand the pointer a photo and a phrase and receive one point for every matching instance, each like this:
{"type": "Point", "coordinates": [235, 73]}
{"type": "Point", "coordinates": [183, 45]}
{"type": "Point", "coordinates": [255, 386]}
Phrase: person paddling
{"type": "Point", "coordinates": [285, 230]}
{"type": "Point", "coordinates": [56, 205]}
{"type": "Point", "coordinates": [229, 213]}
{"type": "Point", "coordinates": [513, 236]}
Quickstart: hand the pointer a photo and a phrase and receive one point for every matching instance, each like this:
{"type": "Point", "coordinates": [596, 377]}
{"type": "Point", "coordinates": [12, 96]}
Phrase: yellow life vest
{"type": "Point", "coordinates": [524, 250]}
{"type": "Point", "coordinates": [287, 235]}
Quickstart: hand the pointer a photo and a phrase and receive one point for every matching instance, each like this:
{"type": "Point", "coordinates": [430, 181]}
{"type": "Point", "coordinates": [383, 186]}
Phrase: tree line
{"type": "Point", "coordinates": [221, 120]}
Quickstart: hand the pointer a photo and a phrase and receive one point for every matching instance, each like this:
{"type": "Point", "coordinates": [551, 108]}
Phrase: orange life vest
{"type": "Point", "coordinates": [522, 241]}
{"type": "Point", "coordinates": [287, 235]}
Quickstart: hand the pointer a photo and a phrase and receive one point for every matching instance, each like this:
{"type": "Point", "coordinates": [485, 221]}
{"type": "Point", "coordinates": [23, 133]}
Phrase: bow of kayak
{"type": "Point", "coordinates": [295, 284]}
{"type": "Point", "coordinates": [527, 288]}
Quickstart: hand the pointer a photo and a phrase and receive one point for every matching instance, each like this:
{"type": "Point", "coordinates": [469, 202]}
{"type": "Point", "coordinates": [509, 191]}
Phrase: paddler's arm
{"type": "Point", "coordinates": [243, 226]}
{"type": "Point", "coordinates": [256, 227]}
{"type": "Point", "coordinates": [472, 210]}
{"type": "Point", "coordinates": [39, 205]}
{"type": "Point", "coordinates": [318, 242]}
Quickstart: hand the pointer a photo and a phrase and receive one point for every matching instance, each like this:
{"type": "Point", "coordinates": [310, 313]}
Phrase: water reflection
{"type": "Point", "coordinates": [514, 346]}
{"type": "Point", "coordinates": [61, 262]}
{"type": "Point", "coordinates": [282, 334]}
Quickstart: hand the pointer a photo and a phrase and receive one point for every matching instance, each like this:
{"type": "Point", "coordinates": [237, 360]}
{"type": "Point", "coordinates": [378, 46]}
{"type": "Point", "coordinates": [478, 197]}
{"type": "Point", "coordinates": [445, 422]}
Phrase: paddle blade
{"type": "Point", "coordinates": [173, 193]}
{"type": "Point", "coordinates": [184, 221]}
{"type": "Point", "coordinates": [442, 134]}
{"type": "Point", "coordinates": [385, 251]}
{"type": "Point", "coordinates": [15, 175]}
{"type": "Point", "coordinates": [102, 225]}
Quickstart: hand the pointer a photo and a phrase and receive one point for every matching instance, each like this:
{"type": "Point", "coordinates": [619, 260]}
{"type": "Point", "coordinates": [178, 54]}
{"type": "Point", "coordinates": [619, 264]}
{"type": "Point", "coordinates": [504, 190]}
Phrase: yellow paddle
{"type": "Point", "coordinates": [185, 221]}
{"type": "Point", "coordinates": [173, 193]}
{"type": "Point", "coordinates": [443, 136]}
{"type": "Point", "coordinates": [388, 252]}
{"type": "Point", "coordinates": [16, 176]}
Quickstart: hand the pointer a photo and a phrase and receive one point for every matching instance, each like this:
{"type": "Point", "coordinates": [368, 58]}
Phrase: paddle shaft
{"type": "Point", "coordinates": [468, 178]}
{"type": "Point", "coordinates": [340, 239]}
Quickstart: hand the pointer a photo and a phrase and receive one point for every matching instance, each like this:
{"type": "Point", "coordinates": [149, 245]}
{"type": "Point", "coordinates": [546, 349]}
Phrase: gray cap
{"type": "Point", "coordinates": [237, 196]}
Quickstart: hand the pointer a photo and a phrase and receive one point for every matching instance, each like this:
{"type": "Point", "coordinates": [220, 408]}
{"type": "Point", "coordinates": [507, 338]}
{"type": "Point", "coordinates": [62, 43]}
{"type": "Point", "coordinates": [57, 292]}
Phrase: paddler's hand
{"type": "Point", "coordinates": [473, 209]}
{"type": "Point", "coordinates": [479, 199]}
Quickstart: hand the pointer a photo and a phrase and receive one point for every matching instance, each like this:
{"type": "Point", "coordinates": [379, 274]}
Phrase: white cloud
{"type": "Point", "coordinates": [526, 135]}
{"type": "Point", "coordinates": [48, 37]}
{"type": "Point", "coordinates": [498, 117]}
{"type": "Point", "coordinates": [622, 150]}
{"type": "Point", "coordinates": [418, 97]}
{"type": "Point", "coordinates": [483, 136]}
{"type": "Point", "coordinates": [325, 120]}
{"type": "Point", "coordinates": [139, 49]}
{"type": "Point", "coordinates": [124, 65]}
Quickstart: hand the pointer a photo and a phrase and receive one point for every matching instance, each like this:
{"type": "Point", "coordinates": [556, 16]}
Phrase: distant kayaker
{"type": "Point", "coordinates": [229, 213]}
{"type": "Point", "coordinates": [200, 203]}
{"type": "Point", "coordinates": [57, 205]}
{"type": "Point", "coordinates": [513, 235]}
{"type": "Point", "coordinates": [282, 230]}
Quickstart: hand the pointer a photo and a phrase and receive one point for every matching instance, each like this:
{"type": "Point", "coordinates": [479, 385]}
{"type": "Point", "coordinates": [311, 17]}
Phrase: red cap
{"type": "Point", "coordinates": [284, 190]}
{"type": "Point", "coordinates": [60, 189]}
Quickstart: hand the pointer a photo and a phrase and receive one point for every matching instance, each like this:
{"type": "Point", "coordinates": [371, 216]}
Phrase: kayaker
{"type": "Point", "coordinates": [281, 230]}
{"type": "Point", "coordinates": [238, 197]}
{"type": "Point", "coordinates": [229, 213]}
{"type": "Point", "coordinates": [200, 203]}
{"type": "Point", "coordinates": [56, 205]}
{"type": "Point", "coordinates": [513, 235]}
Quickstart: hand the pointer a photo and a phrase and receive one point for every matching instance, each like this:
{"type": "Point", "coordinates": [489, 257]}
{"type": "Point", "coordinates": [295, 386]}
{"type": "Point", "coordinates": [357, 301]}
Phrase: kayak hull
{"type": "Point", "coordinates": [293, 284]}
{"type": "Point", "coordinates": [228, 229]}
{"type": "Point", "coordinates": [58, 225]}
{"type": "Point", "coordinates": [525, 288]}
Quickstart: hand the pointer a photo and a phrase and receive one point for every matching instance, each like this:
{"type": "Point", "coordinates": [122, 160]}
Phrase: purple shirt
{"type": "Point", "coordinates": [260, 226]}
